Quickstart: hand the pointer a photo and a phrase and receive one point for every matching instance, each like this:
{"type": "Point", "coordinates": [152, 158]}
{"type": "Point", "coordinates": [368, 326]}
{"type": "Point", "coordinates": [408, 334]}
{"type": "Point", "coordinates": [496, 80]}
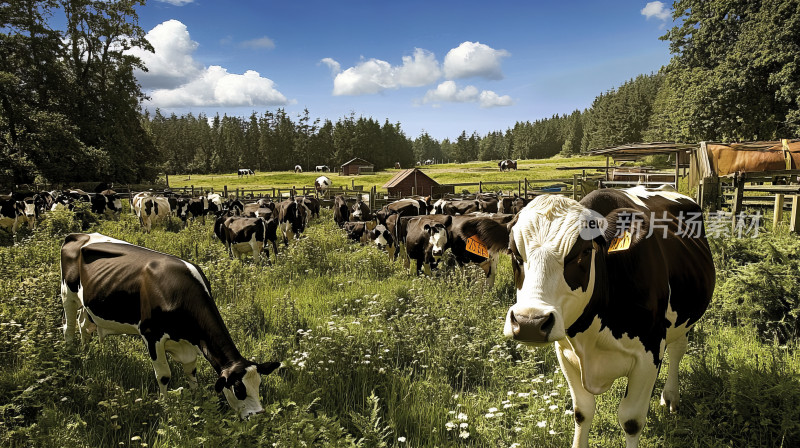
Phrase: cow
{"type": "Point", "coordinates": [507, 165]}
{"type": "Point", "coordinates": [322, 168]}
{"type": "Point", "coordinates": [151, 210]}
{"type": "Point", "coordinates": [397, 165]}
{"type": "Point", "coordinates": [359, 231]}
{"type": "Point", "coordinates": [341, 212]}
{"type": "Point", "coordinates": [429, 162]}
{"type": "Point", "coordinates": [30, 210]}
{"type": "Point", "coordinates": [383, 238]}
{"type": "Point", "coordinates": [487, 204]}
{"type": "Point", "coordinates": [192, 208]}
{"type": "Point", "coordinates": [477, 238]}
{"type": "Point", "coordinates": [422, 235]}
{"type": "Point", "coordinates": [298, 169]}
{"type": "Point", "coordinates": [402, 207]}
{"type": "Point", "coordinates": [12, 213]}
{"type": "Point", "coordinates": [260, 209]}
{"type": "Point", "coordinates": [249, 235]}
{"type": "Point", "coordinates": [361, 211]}
{"type": "Point", "coordinates": [44, 201]}
{"type": "Point", "coordinates": [312, 205]}
{"type": "Point", "coordinates": [460, 207]}
{"type": "Point", "coordinates": [106, 202]}
{"type": "Point", "coordinates": [611, 295]}
{"type": "Point", "coordinates": [246, 172]}
{"type": "Point", "coordinates": [234, 205]}
{"type": "Point", "coordinates": [321, 185]}
{"type": "Point", "coordinates": [512, 204]}
{"type": "Point", "coordinates": [136, 201]}
{"type": "Point", "coordinates": [214, 203]}
{"type": "Point", "coordinates": [291, 219]}
{"type": "Point", "coordinates": [120, 288]}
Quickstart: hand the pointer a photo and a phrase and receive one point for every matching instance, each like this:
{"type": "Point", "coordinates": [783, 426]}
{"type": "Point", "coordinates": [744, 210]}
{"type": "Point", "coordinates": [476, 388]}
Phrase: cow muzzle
{"type": "Point", "coordinates": [530, 329]}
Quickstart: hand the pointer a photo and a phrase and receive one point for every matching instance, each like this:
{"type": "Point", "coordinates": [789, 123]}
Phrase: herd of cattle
{"type": "Point", "coordinates": [612, 297]}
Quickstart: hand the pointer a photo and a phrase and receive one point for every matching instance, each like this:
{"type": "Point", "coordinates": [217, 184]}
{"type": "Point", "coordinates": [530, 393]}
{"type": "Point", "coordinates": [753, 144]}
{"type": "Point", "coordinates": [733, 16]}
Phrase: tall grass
{"type": "Point", "coordinates": [373, 357]}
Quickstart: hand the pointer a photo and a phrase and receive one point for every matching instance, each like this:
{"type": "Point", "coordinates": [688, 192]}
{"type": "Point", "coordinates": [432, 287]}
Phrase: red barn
{"type": "Point", "coordinates": [356, 166]}
{"type": "Point", "coordinates": [410, 181]}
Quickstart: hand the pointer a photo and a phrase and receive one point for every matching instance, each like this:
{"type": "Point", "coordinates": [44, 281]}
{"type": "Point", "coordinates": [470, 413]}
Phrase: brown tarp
{"type": "Point", "coordinates": [752, 157]}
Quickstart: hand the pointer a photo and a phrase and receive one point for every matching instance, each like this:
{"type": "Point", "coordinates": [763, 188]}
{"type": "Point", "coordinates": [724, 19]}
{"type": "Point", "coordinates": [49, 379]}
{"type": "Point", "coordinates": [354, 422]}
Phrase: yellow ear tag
{"type": "Point", "coordinates": [621, 242]}
{"type": "Point", "coordinates": [476, 246]}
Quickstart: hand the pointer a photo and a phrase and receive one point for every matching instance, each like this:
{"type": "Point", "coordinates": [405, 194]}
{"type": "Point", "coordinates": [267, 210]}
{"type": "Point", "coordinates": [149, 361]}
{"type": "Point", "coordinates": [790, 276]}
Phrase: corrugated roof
{"type": "Point", "coordinates": [401, 175]}
{"type": "Point", "coordinates": [643, 149]}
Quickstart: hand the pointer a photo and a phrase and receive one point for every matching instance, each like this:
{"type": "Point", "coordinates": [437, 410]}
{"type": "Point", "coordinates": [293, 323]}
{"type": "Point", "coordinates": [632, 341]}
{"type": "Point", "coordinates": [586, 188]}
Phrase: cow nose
{"type": "Point", "coordinates": [531, 329]}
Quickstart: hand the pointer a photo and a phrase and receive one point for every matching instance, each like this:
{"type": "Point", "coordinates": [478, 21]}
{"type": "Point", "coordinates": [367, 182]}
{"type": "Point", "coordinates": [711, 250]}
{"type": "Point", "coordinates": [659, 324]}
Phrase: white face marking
{"type": "Point", "coordinates": [438, 241]}
{"type": "Point", "coordinates": [30, 209]}
{"type": "Point", "coordinates": [381, 241]}
{"type": "Point", "coordinates": [546, 231]}
{"type": "Point", "coordinates": [251, 404]}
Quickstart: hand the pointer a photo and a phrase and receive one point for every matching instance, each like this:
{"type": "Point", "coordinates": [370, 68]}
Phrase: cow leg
{"type": "Point", "coordinates": [633, 407]}
{"type": "Point", "coordinates": [583, 401]}
{"type": "Point", "coordinates": [86, 326]}
{"type": "Point", "coordinates": [427, 267]}
{"type": "Point", "coordinates": [670, 396]}
{"type": "Point", "coordinates": [158, 355]}
{"type": "Point", "coordinates": [71, 303]}
{"type": "Point", "coordinates": [186, 354]}
{"type": "Point", "coordinates": [275, 249]}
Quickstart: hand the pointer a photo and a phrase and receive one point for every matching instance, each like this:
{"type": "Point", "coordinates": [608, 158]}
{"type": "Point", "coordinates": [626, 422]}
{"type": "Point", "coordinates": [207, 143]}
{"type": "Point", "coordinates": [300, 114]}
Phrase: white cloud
{"type": "Point", "coordinates": [374, 75]}
{"type": "Point", "coordinates": [656, 9]}
{"type": "Point", "coordinates": [448, 92]}
{"type": "Point", "coordinates": [176, 2]}
{"type": "Point", "coordinates": [172, 63]}
{"type": "Point", "coordinates": [474, 59]}
{"type": "Point", "coordinates": [217, 87]}
{"type": "Point", "coordinates": [176, 79]}
{"type": "Point", "coordinates": [261, 42]}
{"type": "Point", "coordinates": [491, 99]}
{"type": "Point", "coordinates": [334, 66]}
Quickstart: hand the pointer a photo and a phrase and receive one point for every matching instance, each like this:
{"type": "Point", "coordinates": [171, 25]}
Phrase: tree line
{"type": "Point", "coordinates": [70, 105]}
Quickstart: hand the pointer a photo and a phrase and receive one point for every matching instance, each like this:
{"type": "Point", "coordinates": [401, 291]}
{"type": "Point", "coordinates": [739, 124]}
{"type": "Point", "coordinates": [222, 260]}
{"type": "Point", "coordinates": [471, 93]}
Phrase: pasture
{"type": "Point", "coordinates": [374, 356]}
{"type": "Point", "coordinates": [442, 173]}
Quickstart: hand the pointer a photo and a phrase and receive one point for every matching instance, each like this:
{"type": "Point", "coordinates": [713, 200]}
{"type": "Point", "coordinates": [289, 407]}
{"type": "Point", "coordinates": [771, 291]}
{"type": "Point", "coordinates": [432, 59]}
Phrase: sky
{"type": "Point", "coordinates": [440, 67]}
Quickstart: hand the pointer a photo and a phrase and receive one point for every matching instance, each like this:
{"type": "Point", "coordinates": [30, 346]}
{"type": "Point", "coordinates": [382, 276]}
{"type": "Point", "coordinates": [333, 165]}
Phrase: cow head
{"type": "Point", "coordinates": [438, 237]}
{"type": "Point", "coordinates": [240, 384]}
{"type": "Point", "coordinates": [299, 220]}
{"type": "Point", "coordinates": [380, 234]}
{"type": "Point", "coordinates": [556, 245]}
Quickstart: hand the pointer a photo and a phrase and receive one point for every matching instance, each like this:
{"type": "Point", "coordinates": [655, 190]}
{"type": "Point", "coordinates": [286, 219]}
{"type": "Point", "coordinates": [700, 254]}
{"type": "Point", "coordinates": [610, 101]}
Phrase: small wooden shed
{"type": "Point", "coordinates": [356, 166]}
{"type": "Point", "coordinates": [410, 181]}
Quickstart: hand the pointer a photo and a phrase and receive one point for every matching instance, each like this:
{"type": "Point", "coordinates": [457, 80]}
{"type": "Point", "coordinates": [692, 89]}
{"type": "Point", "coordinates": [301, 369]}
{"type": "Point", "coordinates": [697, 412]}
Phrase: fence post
{"type": "Point", "coordinates": [192, 190]}
{"type": "Point", "coordinates": [794, 222]}
{"type": "Point", "coordinates": [738, 195]}
{"type": "Point", "coordinates": [777, 213]}
{"type": "Point", "coordinates": [575, 186]}
{"type": "Point", "coordinates": [526, 188]}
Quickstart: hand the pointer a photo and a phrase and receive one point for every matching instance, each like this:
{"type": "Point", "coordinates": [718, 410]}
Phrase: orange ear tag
{"type": "Point", "coordinates": [620, 243]}
{"type": "Point", "coordinates": [476, 246]}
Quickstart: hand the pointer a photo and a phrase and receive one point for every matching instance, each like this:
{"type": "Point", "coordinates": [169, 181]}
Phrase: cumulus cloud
{"type": "Point", "coordinates": [474, 59]}
{"type": "Point", "coordinates": [262, 42]}
{"type": "Point", "coordinates": [448, 92]}
{"type": "Point", "coordinates": [176, 79]}
{"type": "Point", "coordinates": [656, 9]}
{"type": "Point", "coordinates": [217, 87]}
{"type": "Point", "coordinates": [172, 63]}
{"type": "Point", "coordinates": [334, 66]}
{"type": "Point", "coordinates": [374, 75]}
{"type": "Point", "coordinates": [176, 2]}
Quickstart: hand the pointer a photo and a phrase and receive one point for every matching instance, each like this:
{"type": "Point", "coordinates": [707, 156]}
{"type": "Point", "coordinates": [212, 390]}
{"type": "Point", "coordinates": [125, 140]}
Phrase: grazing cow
{"type": "Point", "coordinates": [44, 201]}
{"type": "Point", "coordinates": [361, 211]}
{"type": "Point", "coordinates": [613, 281]}
{"type": "Point", "coordinates": [312, 205]}
{"type": "Point", "coordinates": [246, 172]}
{"type": "Point", "coordinates": [507, 165]}
{"type": "Point", "coordinates": [321, 184]}
{"type": "Point", "coordinates": [322, 168]}
{"type": "Point", "coordinates": [298, 169]}
{"type": "Point", "coordinates": [192, 208]}
{"type": "Point", "coordinates": [291, 219]}
{"type": "Point", "coordinates": [397, 165]}
{"type": "Point", "coordinates": [214, 203]}
{"type": "Point", "coordinates": [249, 235]}
{"type": "Point", "coordinates": [136, 201]}
{"type": "Point", "coordinates": [359, 231]}
{"type": "Point", "coordinates": [383, 238]}
{"type": "Point", "coordinates": [152, 210]}
{"type": "Point", "coordinates": [341, 212]}
{"type": "Point", "coordinates": [12, 213]}
{"type": "Point", "coordinates": [402, 207]}
{"type": "Point", "coordinates": [126, 289]}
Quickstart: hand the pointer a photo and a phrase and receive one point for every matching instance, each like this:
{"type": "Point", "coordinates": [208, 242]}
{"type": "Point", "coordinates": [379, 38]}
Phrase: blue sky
{"type": "Point", "coordinates": [441, 67]}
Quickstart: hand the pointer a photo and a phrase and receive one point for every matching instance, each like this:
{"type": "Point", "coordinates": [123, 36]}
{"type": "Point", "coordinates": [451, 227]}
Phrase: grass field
{"type": "Point", "coordinates": [377, 357]}
{"type": "Point", "coordinates": [444, 174]}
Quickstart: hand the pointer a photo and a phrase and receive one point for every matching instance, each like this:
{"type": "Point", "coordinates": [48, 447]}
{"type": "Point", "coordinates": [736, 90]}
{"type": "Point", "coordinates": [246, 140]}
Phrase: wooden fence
{"type": "Point", "coordinates": [779, 190]}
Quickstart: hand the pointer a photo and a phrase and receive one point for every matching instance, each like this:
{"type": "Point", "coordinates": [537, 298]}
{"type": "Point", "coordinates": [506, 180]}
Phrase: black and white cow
{"type": "Point", "coordinates": [402, 207]}
{"type": "Point", "coordinates": [507, 165]}
{"type": "Point", "coordinates": [192, 208]}
{"type": "Point", "coordinates": [459, 207]}
{"type": "Point", "coordinates": [313, 206]}
{"type": "Point", "coordinates": [321, 185]}
{"type": "Point", "coordinates": [292, 218]}
{"type": "Point", "coordinates": [322, 168]}
{"type": "Point", "coordinates": [151, 210]}
{"type": "Point", "coordinates": [12, 213]}
{"type": "Point", "coordinates": [341, 211]}
{"type": "Point", "coordinates": [234, 205]}
{"type": "Point", "coordinates": [298, 169]}
{"type": "Point", "coordinates": [107, 202]}
{"type": "Point", "coordinates": [422, 237]}
{"type": "Point", "coordinates": [245, 172]}
{"type": "Point", "coordinates": [359, 231]}
{"type": "Point", "coordinates": [361, 211]}
{"type": "Point", "coordinates": [512, 204]}
{"type": "Point", "coordinates": [261, 209]}
{"type": "Point", "coordinates": [613, 281]}
{"type": "Point", "coordinates": [215, 204]}
{"type": "Point", "coordinates": [120, 288]}
{"type": "Point", "coordinates": [249, 235]}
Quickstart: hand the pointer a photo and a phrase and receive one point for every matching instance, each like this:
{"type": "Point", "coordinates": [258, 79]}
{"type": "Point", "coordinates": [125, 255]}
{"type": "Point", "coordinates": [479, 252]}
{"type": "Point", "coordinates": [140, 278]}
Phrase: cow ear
{"type": "Point", "coordinates": [267, 367]}
{"type": "Point", "coordinates": [240, 390]}
{"type": "Point", "coordinates": [449, 221]}
{"type": "Point", "coordinates": [220, 384]}
{"type": "Point", "coordinates": [427, 228]}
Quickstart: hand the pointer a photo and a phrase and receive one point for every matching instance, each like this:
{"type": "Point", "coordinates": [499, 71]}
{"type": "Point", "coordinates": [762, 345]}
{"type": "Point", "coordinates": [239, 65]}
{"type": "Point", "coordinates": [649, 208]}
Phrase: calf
{"type": "Point", "coordinates": [291, 219]}
{"type": "Point", "coordinates": [611, 293]}
{"type": "Point", "coordinates": [341, 212]}
{"type": "Point", "coordinates": [125, 289]}
{"type": "Point", "coordinates": [361, 211]}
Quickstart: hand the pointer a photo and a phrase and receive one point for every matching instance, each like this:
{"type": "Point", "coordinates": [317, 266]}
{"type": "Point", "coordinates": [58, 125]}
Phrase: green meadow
{"type": "Point", "coordinates": [374, 356]}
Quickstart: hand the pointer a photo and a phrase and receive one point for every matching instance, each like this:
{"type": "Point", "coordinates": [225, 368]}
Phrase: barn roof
{"type": "Point", "coordinates": [643, 149]}
{"type": "Point", "coordinates": [404, 174]}
{"type": "Point", "coordinates": [357, 159]}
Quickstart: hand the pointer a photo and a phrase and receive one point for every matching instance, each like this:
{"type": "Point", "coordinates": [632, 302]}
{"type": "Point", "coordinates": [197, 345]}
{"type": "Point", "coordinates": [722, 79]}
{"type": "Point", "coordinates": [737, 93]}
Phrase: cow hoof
{"type": "Point", "coordinates": [670, 400]}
